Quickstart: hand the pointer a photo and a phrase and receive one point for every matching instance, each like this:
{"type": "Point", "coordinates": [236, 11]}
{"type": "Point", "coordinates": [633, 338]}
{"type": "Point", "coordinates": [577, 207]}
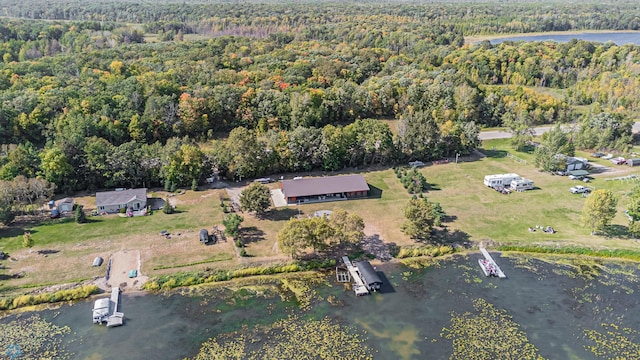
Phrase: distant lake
{"type": "Point", "coordinates": [618, 38]}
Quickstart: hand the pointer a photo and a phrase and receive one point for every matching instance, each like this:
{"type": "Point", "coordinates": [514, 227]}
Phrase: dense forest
{"type": "Point", "coordinates": [127, 93]}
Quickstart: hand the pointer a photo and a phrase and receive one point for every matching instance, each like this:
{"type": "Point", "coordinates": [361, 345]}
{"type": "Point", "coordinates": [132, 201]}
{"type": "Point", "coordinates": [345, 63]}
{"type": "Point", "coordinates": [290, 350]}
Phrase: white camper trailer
{"type": "Point", "coordinates": [500, 180]}
{"type": "Point", "coordinates": [521, 184]}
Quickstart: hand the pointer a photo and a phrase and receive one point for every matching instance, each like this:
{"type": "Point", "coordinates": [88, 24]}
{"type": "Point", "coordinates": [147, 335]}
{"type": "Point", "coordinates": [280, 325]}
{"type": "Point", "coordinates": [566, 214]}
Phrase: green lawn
{"type": "Point", "coordinates": [476, 213]}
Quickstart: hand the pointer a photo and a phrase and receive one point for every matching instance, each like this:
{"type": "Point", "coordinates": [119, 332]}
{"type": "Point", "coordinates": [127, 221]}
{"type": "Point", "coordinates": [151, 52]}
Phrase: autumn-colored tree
{"type": "Point", "coordinates": [599, 209]}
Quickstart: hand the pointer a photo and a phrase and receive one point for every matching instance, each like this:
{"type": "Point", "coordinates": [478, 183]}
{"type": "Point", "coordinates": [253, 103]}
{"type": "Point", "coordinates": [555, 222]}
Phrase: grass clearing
{"type": "Point", "coordinates": [64, 250]}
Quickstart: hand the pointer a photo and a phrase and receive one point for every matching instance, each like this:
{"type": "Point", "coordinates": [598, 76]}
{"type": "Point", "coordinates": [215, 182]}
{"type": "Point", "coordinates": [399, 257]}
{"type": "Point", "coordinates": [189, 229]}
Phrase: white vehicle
{"type": "Point", "coordinates": [500, 180]}
{"type": "Point", "coordinates": [608, 157]}
{"type": "Point", "coordinates": [579, 189]}
{"type": "Point", "coordinates": [416, 163]}
{"type": "Point", "coordinates": [521, 185]}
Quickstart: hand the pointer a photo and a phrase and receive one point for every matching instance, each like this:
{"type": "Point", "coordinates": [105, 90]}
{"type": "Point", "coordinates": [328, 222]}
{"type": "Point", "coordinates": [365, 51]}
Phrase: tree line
{"type": "Point", "coordinates": [380, 86]}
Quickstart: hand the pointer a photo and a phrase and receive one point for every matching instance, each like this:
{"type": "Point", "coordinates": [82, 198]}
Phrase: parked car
{"type": "Point", "coordinates": [619, 160]}
{"type": "Point", "coordinates": [608, 156]}
{"type": "Point", "coordinates": [575, 177]}
{"type": "Point", "coordinates": [579, 189]}
{"type": "Point", "coordinates": [597, 154]}
{"type": "Point", "coordinates": [54, 214]}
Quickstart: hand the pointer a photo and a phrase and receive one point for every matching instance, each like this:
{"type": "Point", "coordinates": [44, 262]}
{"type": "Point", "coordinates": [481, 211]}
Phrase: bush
{"type": "Point", "coordinates": [60, 295]}
{"type": "Point", "coordinates": [167, 208]}
{"type": "Point", "coordinates": [81, 217]}
{"type": "Point", "coordinates": [194, 185]}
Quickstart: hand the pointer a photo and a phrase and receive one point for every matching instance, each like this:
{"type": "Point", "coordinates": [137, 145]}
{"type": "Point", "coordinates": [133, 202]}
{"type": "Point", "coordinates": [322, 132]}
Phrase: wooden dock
{"type": "Point", "coordinates": [499, 273]}
{"type": "Point", "coordinates": [358, 285]}
{"type": "Point", "coordinates": [116, 318]}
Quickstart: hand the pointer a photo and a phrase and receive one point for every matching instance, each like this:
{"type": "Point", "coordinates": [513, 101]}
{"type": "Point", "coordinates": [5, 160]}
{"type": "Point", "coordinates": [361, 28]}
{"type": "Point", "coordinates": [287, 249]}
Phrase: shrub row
{"type": "Point", "coordinates": [188, 279]}
{"type": "Point", "coordinates": [412, 180]}
{"type": "Point", "coordinates": [618, 253]}
{"type": "Point", "coordinates": [433, 251]}
{"type": "Point", "coordinates": [60, 295]}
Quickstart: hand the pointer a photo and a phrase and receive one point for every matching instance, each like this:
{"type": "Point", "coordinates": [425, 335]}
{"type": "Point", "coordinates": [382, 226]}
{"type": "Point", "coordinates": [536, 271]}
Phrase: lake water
{"type": "Point", "coordinates": [618, 38]}
{"type": "Point", "coordinates": [549, 303]}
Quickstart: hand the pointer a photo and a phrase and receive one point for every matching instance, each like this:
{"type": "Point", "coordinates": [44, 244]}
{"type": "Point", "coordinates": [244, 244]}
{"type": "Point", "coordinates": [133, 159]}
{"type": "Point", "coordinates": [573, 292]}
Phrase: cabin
{"type": "Point", "coordinates": [500, 180]}
{"type": "Point", "coordinates": [369, 276]}
{"type": "Point", "coordinates": [521, 184]}
{"type": "Point", "coordinates": [113, 201]}
{"type": "Point", "coordinates": [330, 188]}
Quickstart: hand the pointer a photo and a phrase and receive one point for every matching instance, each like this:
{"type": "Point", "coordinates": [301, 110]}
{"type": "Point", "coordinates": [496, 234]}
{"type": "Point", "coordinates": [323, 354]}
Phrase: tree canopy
{"type": "Point", "coordinates": [599, 209]}
{"type": "Point", "coordinates": [255, 198]}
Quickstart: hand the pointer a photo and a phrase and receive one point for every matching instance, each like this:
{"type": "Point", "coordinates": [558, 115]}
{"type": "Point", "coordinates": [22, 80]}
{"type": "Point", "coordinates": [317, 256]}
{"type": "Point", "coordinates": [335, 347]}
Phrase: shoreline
{"type": "Point", "coordinates": [475, 39]}
{"type": "Point", "coordinates": [393, 263]}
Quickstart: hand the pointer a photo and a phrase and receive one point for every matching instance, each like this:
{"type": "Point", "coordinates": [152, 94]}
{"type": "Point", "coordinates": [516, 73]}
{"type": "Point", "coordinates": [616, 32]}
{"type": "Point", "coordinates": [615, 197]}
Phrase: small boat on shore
{"type": "Point", "coordinates": [487, 267]}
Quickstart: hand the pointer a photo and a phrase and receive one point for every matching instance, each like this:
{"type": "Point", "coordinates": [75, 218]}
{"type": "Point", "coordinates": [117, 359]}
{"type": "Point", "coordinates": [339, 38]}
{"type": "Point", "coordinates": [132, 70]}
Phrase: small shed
{"type": "Point", "coordinates": [98, 261]}
{"type": "Point", "coordinates": [633, 162]}
{"type": "Point", "coordinates": [369, 276]}
{"type": "Point", "coordinates": [65, 205]}
{"type": "Point", "coordinates": [204, 236]}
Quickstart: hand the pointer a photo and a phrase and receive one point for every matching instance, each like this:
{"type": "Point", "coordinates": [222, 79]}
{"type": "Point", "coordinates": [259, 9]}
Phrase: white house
{"type": "Point", "coordinates": [113, 201]}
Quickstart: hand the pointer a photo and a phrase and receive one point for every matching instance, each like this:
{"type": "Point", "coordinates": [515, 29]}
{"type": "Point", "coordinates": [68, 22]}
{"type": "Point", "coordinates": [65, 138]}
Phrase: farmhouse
{"type": "Point", "coordinates": [113, 201]}
{"type": "Point", "coordinates": [330, 188]}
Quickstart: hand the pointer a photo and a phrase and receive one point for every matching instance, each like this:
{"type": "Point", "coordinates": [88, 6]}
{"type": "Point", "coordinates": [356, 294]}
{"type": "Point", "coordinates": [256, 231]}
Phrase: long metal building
{"type": "Point", "coordinates": [369, 275]}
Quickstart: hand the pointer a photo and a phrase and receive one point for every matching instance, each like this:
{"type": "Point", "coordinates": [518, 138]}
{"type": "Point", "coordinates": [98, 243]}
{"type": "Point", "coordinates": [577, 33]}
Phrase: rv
{"type": "Point", "coordinates": [521, 185]}
{"type": "Point", "coordinates": [500, 180]}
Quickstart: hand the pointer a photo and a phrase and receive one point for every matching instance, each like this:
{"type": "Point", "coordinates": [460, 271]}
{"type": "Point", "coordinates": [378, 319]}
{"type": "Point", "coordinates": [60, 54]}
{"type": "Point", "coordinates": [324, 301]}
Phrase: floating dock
{"type": "Point", "coordinates": [489, 263]}
{"type": "Point", "coordinates": [358, 284]}
{"type": "Point", "coordinates": [106, 310]}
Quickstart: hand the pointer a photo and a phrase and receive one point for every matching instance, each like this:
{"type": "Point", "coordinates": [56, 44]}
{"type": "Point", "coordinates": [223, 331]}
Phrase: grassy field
{"type": "Point", "coordinates": [64, 250]}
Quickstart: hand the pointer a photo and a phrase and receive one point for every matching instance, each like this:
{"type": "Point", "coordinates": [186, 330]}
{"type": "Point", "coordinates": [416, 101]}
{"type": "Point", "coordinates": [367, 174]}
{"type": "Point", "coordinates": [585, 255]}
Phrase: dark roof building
{"type": "Point", "coordinates": [328, 188]}
{"type": "Point", "coordinates": [369, 276]}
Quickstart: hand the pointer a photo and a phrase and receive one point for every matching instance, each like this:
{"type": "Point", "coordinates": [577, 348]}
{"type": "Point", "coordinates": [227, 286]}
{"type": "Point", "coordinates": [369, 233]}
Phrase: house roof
{"type": "Point", "coordinates": [66, 200]}
{"type": "Point", "coordinates": [120, 197]}
{"type": "Point", "coordinates": [579, 173]}
{"type": "Point", "coordinates": [323, 185]}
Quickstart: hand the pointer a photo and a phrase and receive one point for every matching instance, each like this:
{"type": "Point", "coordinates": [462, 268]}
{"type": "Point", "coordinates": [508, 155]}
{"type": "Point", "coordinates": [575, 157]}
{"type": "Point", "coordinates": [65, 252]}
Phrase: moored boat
{"type": "Point", "coordinates": [488, 268]}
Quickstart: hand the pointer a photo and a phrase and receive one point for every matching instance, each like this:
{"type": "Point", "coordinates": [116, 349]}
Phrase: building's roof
{"type": "Point", "coordinates": [579, 173]}
{"type": "Point", "coordinates": [66, 200]}
{"type": "Point", "coordinates": [368, 272]}
{"type": "Point", "coordinates": [323, 185]}
{"type": "Point", "coordinates": [120, 197]}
